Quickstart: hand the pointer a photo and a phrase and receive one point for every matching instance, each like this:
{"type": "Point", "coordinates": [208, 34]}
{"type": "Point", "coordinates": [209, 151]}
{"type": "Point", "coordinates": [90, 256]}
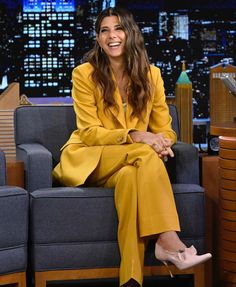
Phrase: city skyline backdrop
{"type": "Point", "coordinates": [39, 49]}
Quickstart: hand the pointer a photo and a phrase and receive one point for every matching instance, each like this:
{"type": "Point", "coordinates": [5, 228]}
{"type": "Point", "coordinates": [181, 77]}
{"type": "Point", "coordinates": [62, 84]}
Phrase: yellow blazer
{"type": "Point", "coordinates": [96, 129]}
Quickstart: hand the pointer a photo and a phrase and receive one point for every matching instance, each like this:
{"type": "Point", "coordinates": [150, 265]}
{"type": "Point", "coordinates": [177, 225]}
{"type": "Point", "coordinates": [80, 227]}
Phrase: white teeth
{"type": "Point", "coordinates": [113, 44]}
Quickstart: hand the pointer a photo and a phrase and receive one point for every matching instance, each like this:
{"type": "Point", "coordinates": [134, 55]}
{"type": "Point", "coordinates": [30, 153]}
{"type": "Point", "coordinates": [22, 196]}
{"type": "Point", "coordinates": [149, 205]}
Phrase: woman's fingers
{"type": "Point", "coordinates": [157, 147]}
{"type": "Point", "coordinates": [159, 143]}
{"type": "Point", "coordinates": [162, 150]}
{"type": "Point", "coordinates": [167, 152]}
{"type": "Point", "coordinates": [168, 142]}
{"type": "Point", "coordinates": [170, 152]}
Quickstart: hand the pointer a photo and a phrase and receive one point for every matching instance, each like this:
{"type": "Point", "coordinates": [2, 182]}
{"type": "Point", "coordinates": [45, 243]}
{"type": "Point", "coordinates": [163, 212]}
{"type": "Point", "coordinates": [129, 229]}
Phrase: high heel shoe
{"type": "Point", "coordinates": [182, 259]}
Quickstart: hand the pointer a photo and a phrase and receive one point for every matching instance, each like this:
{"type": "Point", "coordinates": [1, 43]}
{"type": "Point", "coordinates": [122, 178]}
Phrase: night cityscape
{"type": "Point", "coordinates": [42, 41]}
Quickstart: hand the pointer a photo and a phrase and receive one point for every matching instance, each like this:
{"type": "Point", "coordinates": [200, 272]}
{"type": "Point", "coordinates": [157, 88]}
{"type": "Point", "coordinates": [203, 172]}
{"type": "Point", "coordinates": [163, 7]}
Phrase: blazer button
{"type": "Point", "coordinates": [120, 139]}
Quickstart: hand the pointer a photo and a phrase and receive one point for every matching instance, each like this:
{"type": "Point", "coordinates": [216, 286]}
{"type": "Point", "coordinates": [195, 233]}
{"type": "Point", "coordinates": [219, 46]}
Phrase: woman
{"type": "Point", "coordinates": [124, 134]}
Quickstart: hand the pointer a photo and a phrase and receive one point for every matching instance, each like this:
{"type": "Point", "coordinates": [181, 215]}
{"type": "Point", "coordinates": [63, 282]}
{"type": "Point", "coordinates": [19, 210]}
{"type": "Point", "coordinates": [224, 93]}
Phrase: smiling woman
{"type": "Point", "coordinates": [123, 135]}
{"type": "Point", "coordinates": [111, 38]}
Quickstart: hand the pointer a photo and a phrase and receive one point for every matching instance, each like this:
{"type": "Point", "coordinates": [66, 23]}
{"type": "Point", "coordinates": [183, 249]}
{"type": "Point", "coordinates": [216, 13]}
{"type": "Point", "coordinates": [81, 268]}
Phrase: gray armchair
{"type": "Point", "coordinates": [72, 236]}
{"type": "Point", "coordinates": [2, 168]}
{"type": "Point", "coordinates": [13, 231]}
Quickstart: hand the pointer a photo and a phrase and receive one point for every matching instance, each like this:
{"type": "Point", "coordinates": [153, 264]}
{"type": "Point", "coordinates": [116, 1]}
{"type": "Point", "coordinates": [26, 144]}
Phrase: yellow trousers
{"type": "Point", "coordinates": [143, 197]}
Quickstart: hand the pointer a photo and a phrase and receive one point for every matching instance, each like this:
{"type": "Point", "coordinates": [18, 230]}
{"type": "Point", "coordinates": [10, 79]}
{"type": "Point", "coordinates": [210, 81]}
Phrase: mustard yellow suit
{"type": "Point", "coordinates": [102, 153]}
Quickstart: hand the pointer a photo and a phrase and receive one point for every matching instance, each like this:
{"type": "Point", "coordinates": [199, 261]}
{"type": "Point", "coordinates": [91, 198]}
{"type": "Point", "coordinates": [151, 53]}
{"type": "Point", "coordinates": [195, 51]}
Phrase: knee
{"type": "Point", "coordinates": [127, 172]}
{"type": "Point", "coordinates": [143, 154]}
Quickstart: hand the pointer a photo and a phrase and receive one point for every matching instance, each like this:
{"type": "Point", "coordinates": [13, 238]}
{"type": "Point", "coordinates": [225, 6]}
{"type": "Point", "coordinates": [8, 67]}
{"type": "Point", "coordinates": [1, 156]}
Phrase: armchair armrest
{"type": "Point", "coordinates": [184, 166]}
{"type": "Point", "coordinates": [2, 168]}
{"type": "Point", "coordinates": [38, 165]}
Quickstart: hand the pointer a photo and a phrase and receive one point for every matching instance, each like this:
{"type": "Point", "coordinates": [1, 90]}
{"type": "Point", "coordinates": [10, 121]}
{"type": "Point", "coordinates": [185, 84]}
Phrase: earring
{"type": "Point", "coordinates": [101, 50]}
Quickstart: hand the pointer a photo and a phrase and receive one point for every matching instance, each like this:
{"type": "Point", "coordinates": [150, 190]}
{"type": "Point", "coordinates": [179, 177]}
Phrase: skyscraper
{"type": "Point", "coordinates": [49, 41]}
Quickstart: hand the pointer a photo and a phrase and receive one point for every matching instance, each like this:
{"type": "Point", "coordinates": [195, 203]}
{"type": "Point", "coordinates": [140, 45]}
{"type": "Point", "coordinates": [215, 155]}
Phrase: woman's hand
{"type": "Point", "coordinates": [158, 142]}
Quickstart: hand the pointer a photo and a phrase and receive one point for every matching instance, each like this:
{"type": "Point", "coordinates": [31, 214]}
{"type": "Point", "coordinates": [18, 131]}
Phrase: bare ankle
{"type": "Point", "coordinates": [170, 241]}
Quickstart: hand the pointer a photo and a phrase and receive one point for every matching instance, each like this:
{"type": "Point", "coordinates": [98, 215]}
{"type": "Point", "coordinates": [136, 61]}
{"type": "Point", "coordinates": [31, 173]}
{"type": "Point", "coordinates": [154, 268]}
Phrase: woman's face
{"type": "Point", "coordinates": [111, 37]}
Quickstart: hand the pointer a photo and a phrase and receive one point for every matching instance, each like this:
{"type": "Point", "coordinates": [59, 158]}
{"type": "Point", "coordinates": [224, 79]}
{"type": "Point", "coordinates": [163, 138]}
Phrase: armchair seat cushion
{"type": "Point", "coordinates": [73, 228]}
{"type": "Point", "coordinates": [13, 229]}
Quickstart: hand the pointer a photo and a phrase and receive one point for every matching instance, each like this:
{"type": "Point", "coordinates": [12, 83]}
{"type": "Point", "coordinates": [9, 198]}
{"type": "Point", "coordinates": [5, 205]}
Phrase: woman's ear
{"type": "Point", "coordinates": [97, 39]}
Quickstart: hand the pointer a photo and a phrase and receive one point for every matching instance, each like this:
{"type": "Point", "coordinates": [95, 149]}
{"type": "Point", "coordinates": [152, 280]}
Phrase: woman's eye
{"type": "Point", "coordinates": [103, 30]}
{"type": "Point", "coordinates": [119, 28]}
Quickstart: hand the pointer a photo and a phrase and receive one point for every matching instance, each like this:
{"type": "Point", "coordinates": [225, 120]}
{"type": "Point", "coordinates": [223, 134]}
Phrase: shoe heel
{"type": "Point", "coordinates": [168, 268]}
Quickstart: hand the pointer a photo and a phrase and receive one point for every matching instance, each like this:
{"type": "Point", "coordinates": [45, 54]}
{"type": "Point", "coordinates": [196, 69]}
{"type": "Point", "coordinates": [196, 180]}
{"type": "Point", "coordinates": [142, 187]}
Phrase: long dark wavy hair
{"type": "Point", "coordinates": [137, 64]}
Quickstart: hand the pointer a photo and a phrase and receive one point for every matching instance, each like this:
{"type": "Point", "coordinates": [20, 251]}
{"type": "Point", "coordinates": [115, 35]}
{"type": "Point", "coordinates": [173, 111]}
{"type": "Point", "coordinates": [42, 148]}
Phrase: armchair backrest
{"type": "Point", "coordinates": [2, 168]}
{"type": "Point", "coordinates": [175, 119]}
{"type": "Point", "coordinates": [51, 126]}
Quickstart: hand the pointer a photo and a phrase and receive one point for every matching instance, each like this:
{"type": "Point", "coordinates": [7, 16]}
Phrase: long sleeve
{"type": "Point", "coordinates": [93, 125]}
{"type": "Point", "coordinates": [160, 119]}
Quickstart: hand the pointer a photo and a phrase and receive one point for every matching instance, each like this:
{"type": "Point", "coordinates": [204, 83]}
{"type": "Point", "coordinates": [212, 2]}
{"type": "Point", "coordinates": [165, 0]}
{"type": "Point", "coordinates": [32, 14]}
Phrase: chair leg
{"type": "Point", "coordinates": [15, 278]}
{"type": "Point", "coordinates": [199, 276]}
{"type": "Point", "coordinates": [40, 279]}
{"type": "Point", "coordinates": [22, 280]}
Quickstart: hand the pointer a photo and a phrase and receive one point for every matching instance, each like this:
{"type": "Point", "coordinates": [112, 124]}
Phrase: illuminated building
{"type": "Point", "coordinates": [184, 102]}
{"type": "Point", "coordinates": [108, 3]}
{"type": "Point", "coordinates": [174, 23]}
{"type": "Point", "coordinates": [49, 40]}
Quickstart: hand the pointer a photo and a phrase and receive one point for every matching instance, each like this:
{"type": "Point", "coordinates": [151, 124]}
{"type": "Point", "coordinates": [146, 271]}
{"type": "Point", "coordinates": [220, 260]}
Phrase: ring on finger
{"type": "Point", "coordinates": [156, 145]}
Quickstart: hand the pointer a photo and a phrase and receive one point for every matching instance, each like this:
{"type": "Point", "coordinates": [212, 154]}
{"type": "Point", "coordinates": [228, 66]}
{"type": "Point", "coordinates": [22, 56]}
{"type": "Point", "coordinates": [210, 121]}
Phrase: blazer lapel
{"type": "Point", "coordinates": [130, 121]}
{"type": "Point", "coordinates": [121, 115]}
{"type": "Point", "coordinates": [124, 119]}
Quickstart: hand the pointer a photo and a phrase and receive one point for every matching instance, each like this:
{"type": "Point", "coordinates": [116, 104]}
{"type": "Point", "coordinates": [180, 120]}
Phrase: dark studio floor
{"type": "Point", "coordinates": [183, 281]}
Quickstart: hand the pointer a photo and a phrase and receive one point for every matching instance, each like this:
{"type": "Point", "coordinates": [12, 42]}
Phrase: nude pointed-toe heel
{"type": "Point", "coordinates": [182, 259]}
